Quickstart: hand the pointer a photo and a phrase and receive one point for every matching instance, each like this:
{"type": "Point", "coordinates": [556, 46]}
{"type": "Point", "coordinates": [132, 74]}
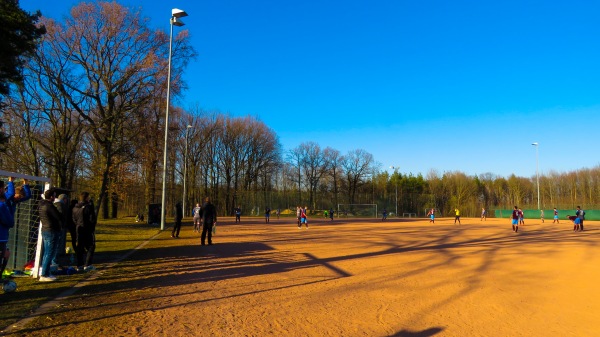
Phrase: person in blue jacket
{"type": "Point", "coordinates": [10, 198]}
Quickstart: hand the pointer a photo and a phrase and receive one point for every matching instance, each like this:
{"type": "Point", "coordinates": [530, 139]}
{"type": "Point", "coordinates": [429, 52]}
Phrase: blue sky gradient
{"type": "Point", "coordinates": [444, 85]}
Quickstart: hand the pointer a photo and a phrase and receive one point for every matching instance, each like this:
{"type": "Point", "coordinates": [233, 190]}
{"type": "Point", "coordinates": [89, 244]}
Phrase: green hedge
{"type": "Point", "coordinates": [548, 213]}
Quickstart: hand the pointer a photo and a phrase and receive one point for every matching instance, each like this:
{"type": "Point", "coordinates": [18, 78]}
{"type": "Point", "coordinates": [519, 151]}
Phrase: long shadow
{"type": "Point", "coordinates": [424, 333]}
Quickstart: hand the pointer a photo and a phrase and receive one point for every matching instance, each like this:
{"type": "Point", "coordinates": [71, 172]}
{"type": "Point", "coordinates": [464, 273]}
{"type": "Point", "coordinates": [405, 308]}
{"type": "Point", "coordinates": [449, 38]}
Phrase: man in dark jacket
{"type": "Point", "coordinates": [84, 218]}
{"type": "Point", "coordinates": [51, 230]}
{"type": "Point", "coordinates": [208, 214]}
{"type": "Point", "coordinates": [62, 206]}
{"type": "Point", "coordinates": [178, 218]}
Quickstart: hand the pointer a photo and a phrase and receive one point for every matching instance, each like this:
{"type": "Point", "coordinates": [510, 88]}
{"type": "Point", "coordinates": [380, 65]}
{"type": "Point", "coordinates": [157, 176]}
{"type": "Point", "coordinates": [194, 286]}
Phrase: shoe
{"type": "Point", "coordinates": [210, 243]}
{"type": "Point", "coordinates": [80, 269]}
{"type": "Point", "coordinates": [89, 268]}
{"type": "Point", "coordinates": [47, 278]}
{"type": "Point", "coordinates": [172, 236]}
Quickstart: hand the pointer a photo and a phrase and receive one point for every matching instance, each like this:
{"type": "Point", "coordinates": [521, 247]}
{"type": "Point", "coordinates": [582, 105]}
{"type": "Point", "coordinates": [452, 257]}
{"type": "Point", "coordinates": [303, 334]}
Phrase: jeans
{"type": "Point", "coordinates": [51, 241]}
{"type": "Point", "coordinates": [62, 235]}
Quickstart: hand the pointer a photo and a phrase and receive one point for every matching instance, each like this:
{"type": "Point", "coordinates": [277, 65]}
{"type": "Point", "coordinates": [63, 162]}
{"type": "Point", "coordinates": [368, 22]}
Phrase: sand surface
{"type": "Point", "coordinates": [347, 278]}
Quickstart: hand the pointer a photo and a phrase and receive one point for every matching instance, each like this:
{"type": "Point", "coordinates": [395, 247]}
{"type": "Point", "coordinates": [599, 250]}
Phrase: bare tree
{"type": "Point", "coordinates": [357, 167]}
{"type": "Point", "coordinates": [335, 160]}
{"type": "Point", "coordinates": [314, 165]}
{"type": "Point", "coordinates": [115, 63]}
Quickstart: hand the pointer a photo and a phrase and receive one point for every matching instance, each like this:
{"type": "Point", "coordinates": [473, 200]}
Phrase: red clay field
{"type": "Point", "coordinates": [401, 277]}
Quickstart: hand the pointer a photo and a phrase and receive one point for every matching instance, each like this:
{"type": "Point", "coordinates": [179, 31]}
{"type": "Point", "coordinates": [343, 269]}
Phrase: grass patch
{"type": "Point", "coordinates": [113, 239]}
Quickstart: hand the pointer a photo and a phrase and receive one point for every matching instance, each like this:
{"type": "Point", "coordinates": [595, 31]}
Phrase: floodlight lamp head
{"type": "Point", "coordinates": [178, 13]}
{"type": "Point", "coordinates": [534, 144]}
{"type": "Point", "coordinates": [176, 22]}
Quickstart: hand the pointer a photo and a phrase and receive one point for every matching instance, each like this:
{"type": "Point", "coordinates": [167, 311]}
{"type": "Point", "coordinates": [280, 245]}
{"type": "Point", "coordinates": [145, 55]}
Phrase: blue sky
{"type": "Point", "coordinates": [444, 85]}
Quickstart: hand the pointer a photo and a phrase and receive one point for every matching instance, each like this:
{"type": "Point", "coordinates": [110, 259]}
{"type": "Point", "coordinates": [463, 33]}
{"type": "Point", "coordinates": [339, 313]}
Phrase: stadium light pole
{"type": "Point", "coordinates": [395, 168]}
{"type": "Point", "coordinates": [185, 156]}
{"type": "Point", "coordinates": [175, 15]}
{"type": "Point", "coordinates": [537, 169]}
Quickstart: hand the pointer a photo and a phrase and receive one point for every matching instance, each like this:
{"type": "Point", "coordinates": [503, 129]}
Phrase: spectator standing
{"type": "Point", "coordinates": [50, 219]}
{"type": "Point", "coordinates": [71, 224]}
{"type": "Point", "coordinates": [61, 204]}
{"type": "Point", "coordinates": [209, 219]}
{"type": "Point", "coordinates": [11, 197]}
{"type": "Point", "coordinates": [178, 218]}
{"type": "Point", "coordinates": [7, 222]}
{"type": "Point", "coordinates": [84, 218]}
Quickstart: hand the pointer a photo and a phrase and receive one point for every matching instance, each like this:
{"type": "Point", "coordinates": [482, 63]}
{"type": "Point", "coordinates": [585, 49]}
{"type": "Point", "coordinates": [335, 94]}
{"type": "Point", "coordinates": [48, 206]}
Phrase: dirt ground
{"type": "Point", "coordinates": [363, 277]}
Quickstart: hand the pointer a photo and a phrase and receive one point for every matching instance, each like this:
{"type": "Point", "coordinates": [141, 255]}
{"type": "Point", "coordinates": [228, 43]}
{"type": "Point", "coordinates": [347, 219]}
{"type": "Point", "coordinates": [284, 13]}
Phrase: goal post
{"type": "Point", "coordinates": [25, 238]}
{"type": "Point", "coordinates": [357, 210]}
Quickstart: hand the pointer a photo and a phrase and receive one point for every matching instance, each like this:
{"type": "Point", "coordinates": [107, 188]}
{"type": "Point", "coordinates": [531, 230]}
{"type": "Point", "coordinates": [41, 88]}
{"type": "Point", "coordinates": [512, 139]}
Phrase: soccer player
{"type": "Point", "coordinates": [581, 215]}
{"type": "Point", "coordinates": [303, 218]}
{"type": "Point", "coordinates": [521, 217]}
{"type": "Point", "coordinates": [298, 215]}
{"type": "Point", "coordinates": [515, 220]}
{"type": "Point", "coordinates": [457, 216]}
{"type": "Point", "coordinates": [483, 214]}
{"type": "Point", "coordinates": [555, 216]}
{"type": "Point", "coordinates": [576, 222]}
{"type": "Point", "coordinates": [431, 215]}
{"type": "Point", "coordinates": [384, 214]}
{"type": "Point", "coordinates": [196, 214]}
{"type": "Point", "coordinates": [542, 215]}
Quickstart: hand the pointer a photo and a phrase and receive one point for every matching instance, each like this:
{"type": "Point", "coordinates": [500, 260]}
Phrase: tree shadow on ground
{"type": "Point", "coordinates": [425, 333]}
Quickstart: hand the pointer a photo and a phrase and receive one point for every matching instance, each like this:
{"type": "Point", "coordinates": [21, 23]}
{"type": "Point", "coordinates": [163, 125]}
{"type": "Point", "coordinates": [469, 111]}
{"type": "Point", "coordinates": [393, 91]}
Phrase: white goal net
{"type": "Point", "coordinates": [357, 210]}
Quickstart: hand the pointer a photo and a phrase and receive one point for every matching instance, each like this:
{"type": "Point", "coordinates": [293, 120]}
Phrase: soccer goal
{"type": "Point", "coordinates": [357, 210]}
{"type": "Point", "coordinates": [25, 239]}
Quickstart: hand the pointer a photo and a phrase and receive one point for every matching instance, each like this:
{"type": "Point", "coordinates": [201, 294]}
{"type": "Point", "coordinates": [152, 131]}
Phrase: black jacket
{"type": "Point", "coordinates": [208, 213]}
{"type": "Point", "coordinates": [84, 215]}
{"type": "Point", "coordinates": [178, 212]}
{"type": "Point", "coordinates": [49, 216]}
